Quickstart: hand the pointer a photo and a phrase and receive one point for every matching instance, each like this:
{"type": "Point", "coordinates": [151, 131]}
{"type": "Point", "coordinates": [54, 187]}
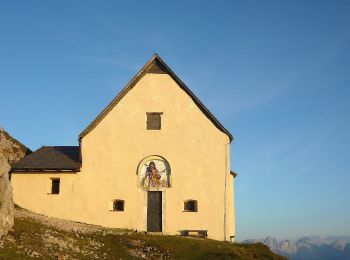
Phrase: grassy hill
{"type": "Point", "coordinates": [40, 237]}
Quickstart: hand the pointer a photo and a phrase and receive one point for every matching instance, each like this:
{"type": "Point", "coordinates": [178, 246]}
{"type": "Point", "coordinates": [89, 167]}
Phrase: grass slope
{"type": "Point", "coordinates": [36, 236]}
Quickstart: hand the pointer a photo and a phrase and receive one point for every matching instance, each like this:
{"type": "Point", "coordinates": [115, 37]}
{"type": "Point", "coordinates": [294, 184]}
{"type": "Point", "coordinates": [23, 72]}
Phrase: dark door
{"type": "Point", "coordinates": [154, 211]}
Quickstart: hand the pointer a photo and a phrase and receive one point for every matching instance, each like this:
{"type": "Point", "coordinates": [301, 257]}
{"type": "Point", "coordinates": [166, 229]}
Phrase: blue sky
{"type": "Point", "coordinates": [275, 73]}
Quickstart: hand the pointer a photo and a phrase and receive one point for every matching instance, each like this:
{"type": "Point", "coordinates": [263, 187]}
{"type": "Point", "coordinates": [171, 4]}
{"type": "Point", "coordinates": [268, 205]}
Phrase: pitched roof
{"type": "Point", "coordinates": [53, 158]}
{"type": "Point", "coordinates": [155, 65]}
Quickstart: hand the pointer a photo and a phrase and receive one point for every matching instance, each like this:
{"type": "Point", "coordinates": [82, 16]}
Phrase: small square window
{"type": "Point", "coordinates": [190, 206]}
{"type": "Point", "coordinates": [154, 120]}
{"type": "Point", "coordinates": [55, 186]}
{"type": "Point", "coordinates": [118, 205]}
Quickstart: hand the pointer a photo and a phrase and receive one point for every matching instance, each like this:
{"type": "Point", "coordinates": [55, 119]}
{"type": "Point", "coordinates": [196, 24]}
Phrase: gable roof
{"type": "Point", "coordinates": [51, 158]}
{"type": "Point", "coordinates": [155, 65]}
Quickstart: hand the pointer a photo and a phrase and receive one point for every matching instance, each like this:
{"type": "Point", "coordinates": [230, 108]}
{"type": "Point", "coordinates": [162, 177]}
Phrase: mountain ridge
{"type": "Point", "coordinates": [309, 247]}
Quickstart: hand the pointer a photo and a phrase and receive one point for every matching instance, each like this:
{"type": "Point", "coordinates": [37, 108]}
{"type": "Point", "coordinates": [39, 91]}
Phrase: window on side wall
{"type": "Point", "coordinates": [117, 205]}
{"type": "Point", "coordinates": [190, 206]}
{"type": "Point", "coordinates": [55, 186]}
{"type": "Point", "coordinates": [154, 120]}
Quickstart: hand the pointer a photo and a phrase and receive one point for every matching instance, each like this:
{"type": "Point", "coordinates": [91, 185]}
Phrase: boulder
{"type": "Point", "coordinates": [6, 198]}
{"type": "Point", "coordinates": [11, 151]}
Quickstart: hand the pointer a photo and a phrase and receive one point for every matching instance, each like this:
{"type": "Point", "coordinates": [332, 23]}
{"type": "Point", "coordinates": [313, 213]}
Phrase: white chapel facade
{"type": "Point", "coordinates": [155, 160]}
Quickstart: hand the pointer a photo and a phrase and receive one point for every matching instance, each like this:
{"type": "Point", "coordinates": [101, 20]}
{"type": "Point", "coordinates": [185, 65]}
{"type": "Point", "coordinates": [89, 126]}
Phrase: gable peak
{"type": "Point", "coordinates": [156, 65]}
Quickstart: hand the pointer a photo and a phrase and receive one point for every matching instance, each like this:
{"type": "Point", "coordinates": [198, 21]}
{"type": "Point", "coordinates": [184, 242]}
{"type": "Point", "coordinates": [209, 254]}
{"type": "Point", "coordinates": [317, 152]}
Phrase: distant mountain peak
{"type": "Point", "coordinates": [311, 247]}
{"type": "Point", "coordinates": [339, 245]}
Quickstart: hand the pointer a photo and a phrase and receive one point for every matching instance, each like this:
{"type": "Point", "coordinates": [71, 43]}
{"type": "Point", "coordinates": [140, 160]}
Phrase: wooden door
{"type": "Point", "coordinates": [154, 211]}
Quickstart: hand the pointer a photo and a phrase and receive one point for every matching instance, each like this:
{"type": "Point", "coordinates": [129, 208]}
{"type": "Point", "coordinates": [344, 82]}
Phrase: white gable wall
{"type": "Point", "coordinates": [198, 154]}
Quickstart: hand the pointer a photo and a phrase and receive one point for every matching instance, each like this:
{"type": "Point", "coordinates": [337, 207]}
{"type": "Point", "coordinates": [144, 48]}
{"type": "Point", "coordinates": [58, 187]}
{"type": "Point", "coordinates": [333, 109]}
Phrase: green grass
{"type": "Point", "coordinates": [32, 239]}
{"type": "Point", "coordinates": [189, 248]}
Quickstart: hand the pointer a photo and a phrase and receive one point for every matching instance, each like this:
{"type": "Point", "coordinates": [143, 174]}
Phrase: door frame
{"type": "Point", "coordinates": [161, 213]}
{"type": "Point", "coordinates": [145, 206]}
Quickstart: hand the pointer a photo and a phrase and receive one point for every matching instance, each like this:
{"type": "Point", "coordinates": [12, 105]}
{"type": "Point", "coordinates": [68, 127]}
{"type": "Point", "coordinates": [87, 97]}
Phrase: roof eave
{"type": "Point", "coordinates": [234, 174]}
{"type": "Point", "coordinates": [196, 100]}
{"type": "Point", "coordinates": [121, 94]}
{"type": "Point", "coordinates": [43, 170]}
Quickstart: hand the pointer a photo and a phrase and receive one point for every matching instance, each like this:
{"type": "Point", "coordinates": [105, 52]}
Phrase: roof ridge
{"type": "Point", "coordinates": [60, 146]}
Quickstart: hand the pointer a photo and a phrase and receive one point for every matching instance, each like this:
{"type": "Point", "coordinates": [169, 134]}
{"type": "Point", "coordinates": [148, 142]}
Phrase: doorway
{"type": "Point", "coordinates": [154, 211]}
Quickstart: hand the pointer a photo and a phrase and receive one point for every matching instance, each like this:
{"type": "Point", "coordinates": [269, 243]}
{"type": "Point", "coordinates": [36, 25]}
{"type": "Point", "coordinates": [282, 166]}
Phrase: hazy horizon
{"type": "Point", "coordinates": [328, 237]}
{"type": "Point", "coordinates": [275, 73]}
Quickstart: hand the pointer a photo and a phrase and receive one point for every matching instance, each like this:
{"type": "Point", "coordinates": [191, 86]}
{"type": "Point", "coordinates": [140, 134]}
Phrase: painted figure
{"type": "Point", "coordinates": [154, 177]}
{"type": "Point", "coordinates": [153, 174]}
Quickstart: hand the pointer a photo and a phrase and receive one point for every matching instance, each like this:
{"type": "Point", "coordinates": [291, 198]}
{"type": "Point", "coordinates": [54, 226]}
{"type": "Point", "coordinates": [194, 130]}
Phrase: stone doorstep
{"type": "Point", "coordinates": [154, 233]}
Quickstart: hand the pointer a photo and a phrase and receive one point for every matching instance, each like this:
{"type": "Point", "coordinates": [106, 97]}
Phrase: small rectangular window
{"type": "Point", "coordinates": [118, 205]}
{"type": "Point", "coordinates": [55, 186]}
{"type": "Point", "coordinates": [190, 206]}
{"type": "Point", "coordinates": [154, 120]}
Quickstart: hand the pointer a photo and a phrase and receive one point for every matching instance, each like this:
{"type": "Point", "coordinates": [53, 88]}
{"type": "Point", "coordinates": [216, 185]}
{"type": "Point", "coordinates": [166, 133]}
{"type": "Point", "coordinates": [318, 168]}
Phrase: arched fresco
{"type": "Point", "coordinates": [154, 172]}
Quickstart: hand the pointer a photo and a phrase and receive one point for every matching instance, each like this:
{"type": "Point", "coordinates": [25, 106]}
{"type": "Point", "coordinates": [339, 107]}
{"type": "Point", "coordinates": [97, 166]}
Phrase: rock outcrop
{"type": "Point", "coordinates": [10, 151]}
{"type": "Point", "coordinates": [6, 200]}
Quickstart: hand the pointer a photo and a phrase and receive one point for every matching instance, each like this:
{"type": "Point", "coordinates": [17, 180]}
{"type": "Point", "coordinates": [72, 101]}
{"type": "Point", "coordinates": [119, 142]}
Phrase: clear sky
{"type": "Point", "coordinates": [275, 73]}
